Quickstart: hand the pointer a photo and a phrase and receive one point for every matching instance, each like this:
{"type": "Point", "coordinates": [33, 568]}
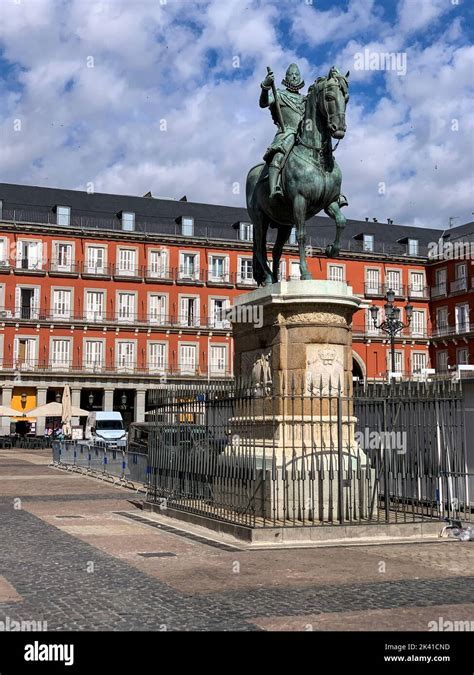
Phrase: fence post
{"type": "Point", "coordinates": [340, 456]}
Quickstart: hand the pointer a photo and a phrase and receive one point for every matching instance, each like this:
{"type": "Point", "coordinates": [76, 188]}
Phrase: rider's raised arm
{"type": "Point", "coordinates": [266, 97]}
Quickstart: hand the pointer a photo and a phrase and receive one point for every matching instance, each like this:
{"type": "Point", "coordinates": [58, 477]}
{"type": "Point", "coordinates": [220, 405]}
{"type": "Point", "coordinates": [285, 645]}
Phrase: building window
{"type": "Point", "coordinates": [157, 309]}
{"type": "Point", "coordinates": [368, 242]}
{"type": "Point", "coordinates": [95, 305]}
{"type": "Point", "coordinates": [398, 361]}
{"type": "Point", "coordinates": [93, 355]}
{"type": "Point", "coordinates": [157, 353]}
{"type": "Point", "coordinates": [29, 255]}
{"type": "Point", "coordinates": [63, 215]}
{"type": "Point", "coordinates": [27, 302]}
{"type": "Point", "coordinates": [128, 221]}
{"type": "Point", "coordinates": [95, 260]}
{"type": "Point", "coordinates": [372, 281]}
{"type": "Point", "coordinates": [418, 324]}
{"type": "Point", "coordinates": [246, 271]}
{"type": "Point", "coordinates": [189, 311]}
{"type": "Point", "coordinates": [1, 209]}
{"type": "Point", "coordinates": [442, 327]}
{"type": "Point", "coordinates": [462, 356]}
{"type": "Point", "coordinates": [336, 272]}
{"type": "Point", "coordinates": [417, 284]}
{"type": "Point", "coordinates": [442, 361]}
{"type": "Point", "coordinates": [218, 359]}
{"type": "Point", "coordinates": [246, 231]}
{"type": "Point", "coordinates": [187, 359]}
{"type": "Point", "coordinates": [62, 303]}
{"type": "Point", "coordinates": [461, 271]}
{"type": "Point", "coordinates": [24, 352]}
{"type": "Point", "coordinates": [394, 281]}
{"type": "Point", "coordinates": [218, 313]}
{"type": "Point", "coordinates": [157, 264]}
{"type": "Point", "coordinates": [413, 247]}
{"type": "Point", "coordinates": [219, 268]}
{"type": "Point", "coordinates": [127, 261]}
{"type": "Point", "coordinates": [187, 226]}
{"type": "Point", "coordinates": [189, 268]}
{"type": "Point", "coordinates": [295, 272]}
{"type": "Point", "coordinates": [4, 258]}
{"type": "Point", "coordinates": [62, 257]}
{"type": "Point", "coordinates": [125, 355]}
{"type": "Point", "coordinates": [418, 362]}
{"type": "Point", "coordinates": [293, 239]}
{"type": "Point", "coordinates": [462, 318]}
{"type": "Point", "coordinates": [126, 307]}
{"type": "Point", "coordinates": [60, 353]}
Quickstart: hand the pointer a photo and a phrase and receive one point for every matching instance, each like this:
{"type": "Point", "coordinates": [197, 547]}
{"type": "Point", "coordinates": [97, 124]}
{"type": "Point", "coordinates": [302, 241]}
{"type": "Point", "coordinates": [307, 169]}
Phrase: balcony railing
{"type": "Point", "coordinates": [152, 320]}
{"type": "Point", "coordinates": [458, 285]}
{"type": "Point", "coordinates": [53, 366]}
{"type": "Point", "coordinates": [368, 330]}
{"type": "Point", "coordinates": [417, 292]}
{"type": "Point", "coordinates": [440, 290]}
{"type": "Point", "coordinates": [188, 274]}
{"type": "Point", "coordinates": [379, 290]}
{"type": "Point", "coordinates": [224, 279]}
{"type": "Point", "coordinates": [58, 268]}
{"type": "Point", "coordinates": [131, 272]}
{"type": "Point", "coordinates": [448, 330]}
{"type": "Point", "coordinates": [30, 266]}
{"type": "Point", "coordinates": [159, 275]}
{"type": "Point", "coordinates": [96, 271]}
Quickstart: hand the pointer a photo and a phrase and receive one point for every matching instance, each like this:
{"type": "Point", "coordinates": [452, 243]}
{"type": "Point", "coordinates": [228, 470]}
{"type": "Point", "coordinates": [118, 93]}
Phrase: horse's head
{"type": "Point", "coordinates": [332, 95]}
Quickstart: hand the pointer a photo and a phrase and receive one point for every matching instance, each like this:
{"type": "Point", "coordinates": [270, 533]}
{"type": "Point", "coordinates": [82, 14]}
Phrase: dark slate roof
{"type": "Point", "coordinates": [25, 203]}
{"type": "Point", "coordinates": [464, 232]}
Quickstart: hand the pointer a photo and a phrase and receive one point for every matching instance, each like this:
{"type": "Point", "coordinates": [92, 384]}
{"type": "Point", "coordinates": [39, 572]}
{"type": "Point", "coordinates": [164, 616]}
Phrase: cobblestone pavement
{"type": "Point", "coordinates": [71, 556]}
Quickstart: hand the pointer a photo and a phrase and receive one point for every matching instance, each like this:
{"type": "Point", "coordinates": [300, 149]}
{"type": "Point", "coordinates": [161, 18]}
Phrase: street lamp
{"type": "Point", "coordinates": [58, 397]}
{"type": "Point", "coordinates": [124, 401]}
{"type": "Point", "coordinates": [91, 400]}
{"type": "Point", "coordinates": [391, 325]}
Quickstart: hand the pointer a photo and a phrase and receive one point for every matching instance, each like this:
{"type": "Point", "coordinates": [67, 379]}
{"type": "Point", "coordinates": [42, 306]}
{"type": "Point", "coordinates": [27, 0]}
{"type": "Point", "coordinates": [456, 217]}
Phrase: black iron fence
{"type": "Point", "coordinates": [310, 453]}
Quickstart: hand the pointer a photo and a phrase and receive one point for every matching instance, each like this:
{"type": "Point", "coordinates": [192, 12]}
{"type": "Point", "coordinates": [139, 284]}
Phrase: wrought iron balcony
{"type": "Point", "coordinates": [57, 268]}
{"type": "Point", "coordinates": [458, 285]}
{"type": "Point", "coordinates": [417, 292]}
{"type": "Point", "coordinates": [440, 290]}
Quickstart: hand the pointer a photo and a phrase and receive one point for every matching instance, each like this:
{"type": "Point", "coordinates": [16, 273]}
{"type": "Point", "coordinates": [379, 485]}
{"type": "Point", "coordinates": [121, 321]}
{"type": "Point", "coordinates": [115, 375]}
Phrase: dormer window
{"type": "Point", "coordinates": [413, 247]}
{"type": "Point", "coordinates": [1, 209]}
{"type": "Point", "coordinates": [63, 215]}
{"type": "Point", "coordinates": [368, 242]}
{"type": "Point", "coordinates": [292, 240]}
{"type": "Point", "coordinates": [187, 226]}
{"type": "Point", "coordinates": [246, 232]}
{"type": "Point", "coordinates": [128, 221]}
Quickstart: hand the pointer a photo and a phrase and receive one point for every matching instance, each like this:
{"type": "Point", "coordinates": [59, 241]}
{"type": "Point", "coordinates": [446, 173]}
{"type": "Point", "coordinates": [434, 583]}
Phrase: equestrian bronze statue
{"type": "Point", "coordinates": [300, 176]}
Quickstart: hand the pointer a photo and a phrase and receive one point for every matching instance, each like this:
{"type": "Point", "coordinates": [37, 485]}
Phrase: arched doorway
{"type": "Point", "coordinates": [358, 367]}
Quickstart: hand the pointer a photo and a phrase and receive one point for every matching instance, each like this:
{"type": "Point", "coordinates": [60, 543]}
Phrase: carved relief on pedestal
{"type": "Point", "coordinates": [324, 365]}
{"type": "Point", "coordinates": [256, 368]}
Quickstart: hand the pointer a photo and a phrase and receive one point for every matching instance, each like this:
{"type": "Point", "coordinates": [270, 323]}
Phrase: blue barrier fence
{"type": "Point", "coordinates": [118, 466]}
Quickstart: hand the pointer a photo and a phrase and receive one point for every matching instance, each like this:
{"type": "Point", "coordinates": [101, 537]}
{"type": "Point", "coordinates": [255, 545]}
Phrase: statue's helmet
{"type": "Point", "coordinates": [292, 80]}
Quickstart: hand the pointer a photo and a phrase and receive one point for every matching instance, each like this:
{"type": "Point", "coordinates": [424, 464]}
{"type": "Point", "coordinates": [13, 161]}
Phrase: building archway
{"type": "Point", "coordinates": [358, 367]}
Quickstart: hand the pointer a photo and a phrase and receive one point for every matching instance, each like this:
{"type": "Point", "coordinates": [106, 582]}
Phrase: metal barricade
{"type": "Point", "coordinates": [138, 470]}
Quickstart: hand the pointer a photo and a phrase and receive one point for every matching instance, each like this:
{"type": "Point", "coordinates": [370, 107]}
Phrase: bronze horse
{"type": "Point", "coordinates": [310, 179]}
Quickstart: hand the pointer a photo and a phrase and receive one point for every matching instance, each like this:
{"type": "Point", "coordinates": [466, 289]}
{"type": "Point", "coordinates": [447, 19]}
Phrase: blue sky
{"type": "Point", "coordinates": [162, 95]}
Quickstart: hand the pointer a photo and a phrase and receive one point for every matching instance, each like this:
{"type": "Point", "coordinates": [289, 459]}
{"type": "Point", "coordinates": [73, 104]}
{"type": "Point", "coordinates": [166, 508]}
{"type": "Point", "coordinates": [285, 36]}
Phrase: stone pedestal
{"type": "Point", "coordinates": [303, 329]}
{"type": "Point", "coordinates": [293, 346]}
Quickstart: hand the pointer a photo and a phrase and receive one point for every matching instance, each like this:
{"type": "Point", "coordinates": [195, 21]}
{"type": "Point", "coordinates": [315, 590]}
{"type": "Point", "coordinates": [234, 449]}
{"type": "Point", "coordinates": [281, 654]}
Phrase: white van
{"type": "Point", "coordinates": [106, 426]}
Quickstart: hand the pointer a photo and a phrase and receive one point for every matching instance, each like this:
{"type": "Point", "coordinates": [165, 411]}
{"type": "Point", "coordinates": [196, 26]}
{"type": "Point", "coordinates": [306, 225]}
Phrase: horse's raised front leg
{"type": "Point", "coordinates": [334, 212]}
{"type": "Point", "coordinates": [299, 212]}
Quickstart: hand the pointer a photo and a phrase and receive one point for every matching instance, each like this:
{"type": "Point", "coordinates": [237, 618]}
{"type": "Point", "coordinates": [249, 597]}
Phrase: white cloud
{"type": "Point", "coordinates": [151, 63]}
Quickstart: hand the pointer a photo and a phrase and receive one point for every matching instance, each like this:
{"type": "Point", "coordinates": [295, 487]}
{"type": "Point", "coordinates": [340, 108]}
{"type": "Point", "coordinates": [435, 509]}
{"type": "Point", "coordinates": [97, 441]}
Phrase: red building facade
{"type": "Point", "coordinates": [116, 295]}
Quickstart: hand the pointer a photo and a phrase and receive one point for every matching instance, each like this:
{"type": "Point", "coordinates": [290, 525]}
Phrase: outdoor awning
{"type": "Point", "coordinates": [54, 409]}
{"type": "Point", "coordinates": [5, 411]}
